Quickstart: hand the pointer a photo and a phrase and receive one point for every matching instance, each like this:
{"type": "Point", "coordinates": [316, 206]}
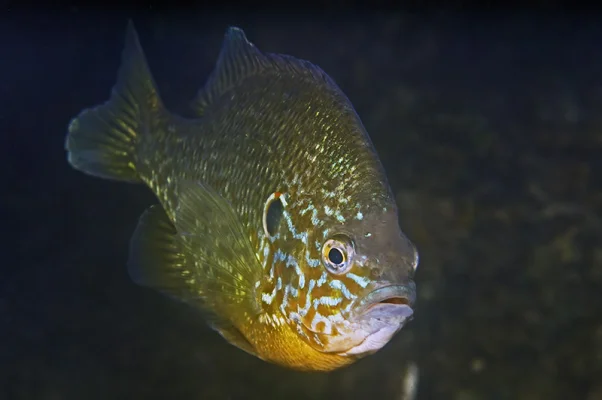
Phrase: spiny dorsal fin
{"type": "Point", "coordinates": [240, 59]}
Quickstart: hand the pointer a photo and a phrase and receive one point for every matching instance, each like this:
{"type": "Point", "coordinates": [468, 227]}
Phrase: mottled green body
{"type": "Point", "coordinates": [275, 131]}
{"type": "Point", "coordinates": [266, 124]}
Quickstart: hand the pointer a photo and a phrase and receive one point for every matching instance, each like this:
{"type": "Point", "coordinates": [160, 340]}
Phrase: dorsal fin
{"type": "Point", "coordinates": [240, 59]}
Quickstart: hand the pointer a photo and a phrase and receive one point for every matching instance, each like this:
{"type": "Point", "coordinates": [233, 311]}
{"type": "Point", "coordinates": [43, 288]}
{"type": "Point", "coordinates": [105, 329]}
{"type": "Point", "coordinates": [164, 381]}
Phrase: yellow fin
{"type": "Point", "coordinates": [230, 333]}
{"type": "Point", "coordinates": [156, 261]}
{"type": "Point", "coordinates": [212, 237]}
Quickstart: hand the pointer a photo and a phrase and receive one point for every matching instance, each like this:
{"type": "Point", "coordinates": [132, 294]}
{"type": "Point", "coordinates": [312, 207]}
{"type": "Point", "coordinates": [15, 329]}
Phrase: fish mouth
{"type": "Point", "coordinates": [380, 315]}
{"type": "Point", "coordinates": [391, 297]}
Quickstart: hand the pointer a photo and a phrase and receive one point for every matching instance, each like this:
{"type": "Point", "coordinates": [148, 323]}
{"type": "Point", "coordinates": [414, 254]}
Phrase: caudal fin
{"type": "Point", "coordinates": [103, 141]}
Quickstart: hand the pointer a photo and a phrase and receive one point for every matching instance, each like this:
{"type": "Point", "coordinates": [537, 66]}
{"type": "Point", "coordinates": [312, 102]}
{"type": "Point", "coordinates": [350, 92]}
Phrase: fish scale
{"type": "Point", "coordinates": [273, 174]}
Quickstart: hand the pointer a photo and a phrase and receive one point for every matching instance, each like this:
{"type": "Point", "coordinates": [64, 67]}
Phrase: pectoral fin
{"type": "Point", "coordinates": [205, 260]}
{"type": "Point", "coordinates": [211, 233]}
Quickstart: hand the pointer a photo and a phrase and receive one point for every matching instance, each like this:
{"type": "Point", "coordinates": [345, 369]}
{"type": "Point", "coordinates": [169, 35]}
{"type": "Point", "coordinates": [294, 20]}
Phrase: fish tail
{"type": "Point", "coordinates": [103, 141]}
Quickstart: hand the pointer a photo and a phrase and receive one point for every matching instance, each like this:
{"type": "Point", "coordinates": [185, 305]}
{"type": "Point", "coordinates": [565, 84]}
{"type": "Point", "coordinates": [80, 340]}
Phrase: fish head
{"type": "Point", "coordinates": [375, 279]}
{"type": "Point", "coordinates": [350, 286]}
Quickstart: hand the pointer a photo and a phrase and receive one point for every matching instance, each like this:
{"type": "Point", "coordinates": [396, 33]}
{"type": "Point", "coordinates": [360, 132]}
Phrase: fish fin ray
{"type": "Point", "coordinates": [240, 59]}
{"type": "Point", "coordinates": [231, 334]}
{"type": "Point", "coordinates": [211, 233]}
{"type": "Point", "coordinates": [102, 141]}
{"type": "Point", "coordinates": [156, 260]}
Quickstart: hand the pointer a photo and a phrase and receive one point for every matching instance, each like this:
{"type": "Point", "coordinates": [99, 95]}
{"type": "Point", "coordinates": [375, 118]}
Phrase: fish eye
{"type": "Point", "coordinates": [337, 254]}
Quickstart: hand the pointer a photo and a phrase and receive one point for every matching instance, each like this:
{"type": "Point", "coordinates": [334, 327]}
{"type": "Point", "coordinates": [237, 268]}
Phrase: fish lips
{"type": "Point", "coordinates": [395, 299]}
{"type": "Point", "coordinates": [381, 314]}
{"type": "Point", "coordinates": [374, 321]}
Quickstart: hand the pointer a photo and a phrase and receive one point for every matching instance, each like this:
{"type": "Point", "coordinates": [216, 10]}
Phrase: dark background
{"type": "Point", "coordinates": [489, 127]}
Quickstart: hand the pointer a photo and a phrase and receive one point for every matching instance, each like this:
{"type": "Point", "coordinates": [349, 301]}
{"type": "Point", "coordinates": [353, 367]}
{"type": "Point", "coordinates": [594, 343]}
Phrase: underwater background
{"type": "Point", "coordinates": [489, 128]}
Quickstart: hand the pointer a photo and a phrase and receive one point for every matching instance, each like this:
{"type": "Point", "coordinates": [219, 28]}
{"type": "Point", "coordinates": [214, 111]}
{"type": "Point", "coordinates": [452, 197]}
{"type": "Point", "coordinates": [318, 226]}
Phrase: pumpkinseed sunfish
{"type": "Point", "coordinates": [276, 220]}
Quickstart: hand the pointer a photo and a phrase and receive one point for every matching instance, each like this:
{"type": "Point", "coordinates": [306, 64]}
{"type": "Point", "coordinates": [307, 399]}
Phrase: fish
{"type": "Point", "coordinates": [275, 219]}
